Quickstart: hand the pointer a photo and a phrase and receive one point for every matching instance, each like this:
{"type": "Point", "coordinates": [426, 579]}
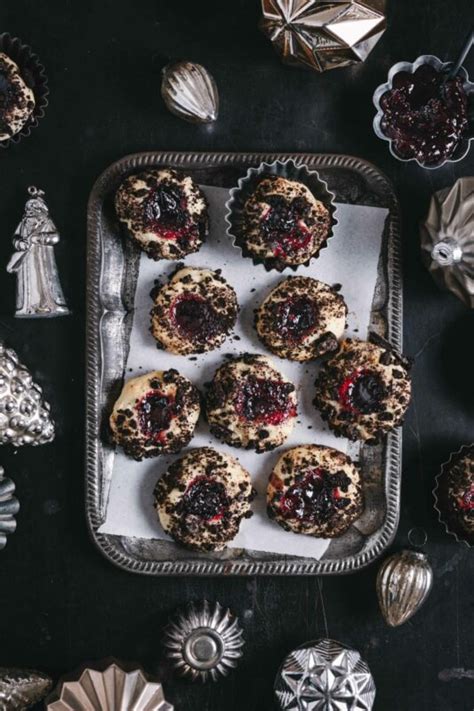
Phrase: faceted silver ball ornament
{"type": "Point", "coordinates": [190, 92]}
{"type": "Point", "coordinates": [21, 689]}
{"type": "Point", "coordinates": [204, 642]}
{"type": "Point", "coordinates": [324, 676]}
{"type": "Point", "coordinates": [9, 507]}
{"type": "Point", "coordinates": [24, 414]}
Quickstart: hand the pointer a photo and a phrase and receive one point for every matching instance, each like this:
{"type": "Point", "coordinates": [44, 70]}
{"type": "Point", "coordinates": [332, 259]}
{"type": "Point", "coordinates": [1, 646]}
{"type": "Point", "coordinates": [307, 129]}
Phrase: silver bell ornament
{"type": "Point", "coordinates": [24, 414]}
{"type": "Point", "coordinates": [22, 688]}
{"type": "Point", "coordinates": [190, 92]}
{"type": "Point", "coordinates": [404, 581]}
{"type": "Point", "coordinates": [9, 507]}
{"type": "Point", "coordinates": [204, 642]}
{"type": "Point", "coordinates": [324, 675]}
{"type": "Point", "coordinates": [447, 239]}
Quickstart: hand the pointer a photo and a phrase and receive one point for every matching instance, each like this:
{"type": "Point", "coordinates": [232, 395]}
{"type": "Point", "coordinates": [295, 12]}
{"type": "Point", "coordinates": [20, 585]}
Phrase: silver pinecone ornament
{"type": "Point", "coordinates": [9, 507]}
{"type": "Point", "coordinates": [404, 582]}
{"type": "Point", "coordinates": [24, 414]}
{"type": "Point", "coordinates": [22, 688]}
{"type": "Point", "coordinates": [190, 92]}
{"type": "Point", "coordinates": [204, 642]}
{"type": "Point", "coordinates": [327, 676]}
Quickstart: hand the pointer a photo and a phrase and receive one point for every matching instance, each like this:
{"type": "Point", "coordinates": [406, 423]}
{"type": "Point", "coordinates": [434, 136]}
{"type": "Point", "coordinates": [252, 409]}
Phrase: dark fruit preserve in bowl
{"type": "Point", "coordinates": [425, 115]}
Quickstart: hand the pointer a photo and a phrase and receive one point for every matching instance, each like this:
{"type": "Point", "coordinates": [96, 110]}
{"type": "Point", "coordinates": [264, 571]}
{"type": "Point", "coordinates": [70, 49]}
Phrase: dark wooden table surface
{"type": "Point", "coordinates": [60, 602]}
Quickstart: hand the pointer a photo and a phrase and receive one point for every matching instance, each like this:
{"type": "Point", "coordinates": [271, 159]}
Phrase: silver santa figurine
{"type": "Point", "coordinates": [38, 293]}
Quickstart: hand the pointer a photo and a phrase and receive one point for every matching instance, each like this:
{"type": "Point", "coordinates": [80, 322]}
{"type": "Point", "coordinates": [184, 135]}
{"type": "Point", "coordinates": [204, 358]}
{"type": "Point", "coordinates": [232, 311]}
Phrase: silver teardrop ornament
{"type": "Point", "coordinates": [190, 92]}
{"type": "Point", "coordinates": [404, 582]}
{"type": "Point", "coordinates": [9, 507]}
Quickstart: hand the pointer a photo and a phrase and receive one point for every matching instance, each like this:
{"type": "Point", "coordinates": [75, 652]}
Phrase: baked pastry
{"type": "Point", "coordinates": [155, 414]}
{"type": "Point", "coordinates": [455, 494]}
{"type": "Point", "coordinates": [363, 391]}
{"type": "Point", "coordinates": [164, 212]}
{"type": "Point", "coordinates": [315, 490]}
{"type": "Point", "coordinates": [202, 499]}
{"type": "Point", "coordinates": [17, 100]}
{"type": "Point", "coordinates": [284, 224]}
{"type": "Point", "coordinates": [251, 404]}
{"type": "Point", "coordinates": [194, 312]}
{"type": "Point", "coordinates": [301, 319]}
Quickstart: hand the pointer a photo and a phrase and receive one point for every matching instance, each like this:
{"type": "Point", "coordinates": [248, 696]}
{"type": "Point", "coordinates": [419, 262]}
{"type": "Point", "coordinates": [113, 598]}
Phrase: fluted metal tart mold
{"type": "Point", "coordinates": [438, 504]}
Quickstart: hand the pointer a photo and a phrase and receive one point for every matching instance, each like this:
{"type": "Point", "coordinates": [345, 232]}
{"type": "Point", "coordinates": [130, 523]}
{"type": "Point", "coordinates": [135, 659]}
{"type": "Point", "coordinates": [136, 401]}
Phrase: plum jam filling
{"type": "Point", "coordinates": [362, 392]}
{"type": "Point", "coordinates": [283, 225]}
{"type": "Point", "coordinates": [316, 496]}
{"type": "Point", "coordinates": [155, 412]}
{"type": "Point", "coordinates": [265, 401]}
{"type": "Point", "coordinates": [166, 214]}
{"type": "Point", "coordinates": [466, 502]}
{"type": "Point", "coordinates": [206, 498]}
{"type": "Point", "coordinates": [425, 114]}
{"type": "Point", "coordinates": [296, 317]}
{"type": "Point", "coordinates": [195, 317]}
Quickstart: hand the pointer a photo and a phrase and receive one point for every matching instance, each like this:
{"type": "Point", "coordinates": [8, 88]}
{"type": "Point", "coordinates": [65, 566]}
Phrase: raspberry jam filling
{"type": "Point", "coordinates": [166, 213]}
{"type": "Point", "coordinates": [195, 317]}
{"type": "Point", "coordinates": [316, 496]}
{"type": "Point", "coordinates": [466, 502]}
{"type": "Point", "coordinates": [265, 401]}
{"type": "Point", "coordinates": [296, 317]}
{"type": "Point", "coordinates": [283, 225]}
{"type": "Point", "coordinates": [206, 498]}
{"type": "Point", "coordinates": [425, 114]}
{"type": "Point", "coordinates": [363, 392]}
{"type": "Point", "coordinates": [155, 412]}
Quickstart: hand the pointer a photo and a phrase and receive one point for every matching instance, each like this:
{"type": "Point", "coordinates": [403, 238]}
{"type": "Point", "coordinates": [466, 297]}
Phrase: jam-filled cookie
{"type": "Point", "coordinates": [455, 494]}
{"type": "Point", "coordinates": [164, 212]}
{"type": "Point", "coordinates": [315, 490]}
{"type": "Point", "coordinates": [364, 390]}
{"type": "Point", "coordinates": [202, 499]}
{"type": "Point", "coordinates": [251, 404]}
{"type": "Point", "coordinates": [301, 319]}
{"type": "Point", "coordinates": [17, 100]}
{"type": "Point", "coordinates": [284, 224]}
{"type": "Point", "coordinates": [155, 414]}
{"type": "Point", "coordinates": [194, 312]}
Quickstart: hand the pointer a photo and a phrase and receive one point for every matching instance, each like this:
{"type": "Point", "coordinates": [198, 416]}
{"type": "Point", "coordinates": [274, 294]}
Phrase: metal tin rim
{"type": "Point", "coordinates": [114, 547]}
{"type": "Point", "coordinates": [437, 508]}
{"type": "Point", "coordinates": [411, 67]}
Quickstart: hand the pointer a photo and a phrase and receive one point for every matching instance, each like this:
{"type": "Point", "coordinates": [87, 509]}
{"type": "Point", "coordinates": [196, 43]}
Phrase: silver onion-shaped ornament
{"type": "Point", "coordinates": [324, 675]}
{"type": "Point", "coordinates": [22, 688]}
{"type": "Point", "coordinates": [404, 581]}
{"type": "Point", "coordinates": [204, 642]}
{"type": "Point", "coordinates": [190, 92]}
{"type": "Point", "coordinates": [24, 414]}
{"type": "Point", "coordinates": [9, 507]}
{"type": "Point", "coordinates": [447, 239]}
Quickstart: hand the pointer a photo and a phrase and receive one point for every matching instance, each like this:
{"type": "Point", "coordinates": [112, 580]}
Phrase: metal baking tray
{"type": "Point", "coordinates": [112, 272]}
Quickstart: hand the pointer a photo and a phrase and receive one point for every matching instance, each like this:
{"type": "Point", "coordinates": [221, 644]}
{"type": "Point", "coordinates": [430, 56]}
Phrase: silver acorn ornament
{"type": "Point", "coordinates": [190, 92]}
{"type": "Point", "coordinates": [24, 414]}
{"type": "Point", "coordinates": [204, 642]}
{"type": "Point", "coordinates": [9, 507]}
{"type": "Point", "coordinates": [447, 239]}
{"type": "Point", "coordinates": [404, 582]}
{"type": "Point", "coordinates": [22, 688]}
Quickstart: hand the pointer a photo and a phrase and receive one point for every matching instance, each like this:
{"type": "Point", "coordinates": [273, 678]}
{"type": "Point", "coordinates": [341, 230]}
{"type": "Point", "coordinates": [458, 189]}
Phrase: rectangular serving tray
{"type": "Point", "coordinates": [112, 272]}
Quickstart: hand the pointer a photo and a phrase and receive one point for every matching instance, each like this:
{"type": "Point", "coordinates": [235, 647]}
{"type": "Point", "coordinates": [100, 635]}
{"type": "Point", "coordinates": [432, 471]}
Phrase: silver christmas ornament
{"type": "Point", "coordinates": [204, 642]}
{"type": "Point", "coordinates": [404, 582]}
{"type": "Point", "coordinates": [22, 688]}
{"type": "Point", "coordinates": [190, 92]}
{"type": "Point", "coordinates": [9, 507]}
{"type": "Point", "coordinates": [110, 689]}
{"type": "Point", "coordinates": [24, 414]}
{"type": "Point", "coordinates": [321, 35]}
{"type": "Point", "coordinates": [38, 289]}
{"type": "Point", "coordinates": [447, 239]}
{"type": "Point", "coordinates": [324, 676]}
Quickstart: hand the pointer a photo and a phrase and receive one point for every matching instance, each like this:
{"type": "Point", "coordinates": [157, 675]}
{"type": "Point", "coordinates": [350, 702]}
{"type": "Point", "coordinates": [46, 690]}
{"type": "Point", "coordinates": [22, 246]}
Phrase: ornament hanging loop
{"type": "Point", "coordinates": [34, 191]}
{"type": "Point", "coordinates": [446, 253]}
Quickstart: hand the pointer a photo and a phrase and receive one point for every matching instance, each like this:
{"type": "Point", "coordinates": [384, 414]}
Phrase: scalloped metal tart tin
{"type": "Point", "coordinates": [112, 275]}
{"type": "Point", "coordinates": [437, 494]}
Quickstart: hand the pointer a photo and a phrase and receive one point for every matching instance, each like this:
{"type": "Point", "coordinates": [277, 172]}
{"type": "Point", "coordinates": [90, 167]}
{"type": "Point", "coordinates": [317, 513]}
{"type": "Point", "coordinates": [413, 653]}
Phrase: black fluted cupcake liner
{"type": "Point", "coordinates": [440, 495]}
{"type": "Point", "coordinates": [34, 76]}
{"type": "Point", "coordinates": [290, 170]}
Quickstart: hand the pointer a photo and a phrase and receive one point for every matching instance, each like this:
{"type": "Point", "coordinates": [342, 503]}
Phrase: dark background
{"type": "Point", "coordinates": [61, 603]}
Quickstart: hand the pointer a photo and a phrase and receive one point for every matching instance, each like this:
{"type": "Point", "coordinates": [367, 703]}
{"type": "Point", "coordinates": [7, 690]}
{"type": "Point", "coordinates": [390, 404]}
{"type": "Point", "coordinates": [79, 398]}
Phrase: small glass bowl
{"type": "Point", "coordinates": [411, 67]}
